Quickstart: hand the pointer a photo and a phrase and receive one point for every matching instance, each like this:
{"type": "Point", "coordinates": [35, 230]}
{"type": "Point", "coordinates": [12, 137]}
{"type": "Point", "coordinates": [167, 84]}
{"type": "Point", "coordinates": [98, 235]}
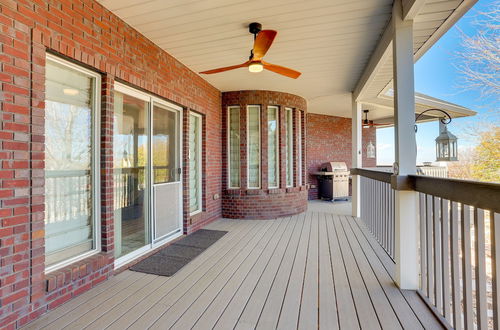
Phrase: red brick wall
{"type": "Point", "coordinates": [329, 139]}
{"type": "Point", "coordinates": [87, 33]}
{"type": "Point", "coordinates": [263, 203]}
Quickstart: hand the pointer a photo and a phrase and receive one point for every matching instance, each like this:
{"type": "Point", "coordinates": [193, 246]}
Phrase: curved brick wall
{"type": "Point", "coordinates": [265, 203]}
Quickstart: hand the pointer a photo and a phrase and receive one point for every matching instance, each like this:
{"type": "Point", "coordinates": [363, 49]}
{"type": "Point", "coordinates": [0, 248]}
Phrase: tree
{"type": "Point", "coordinates": [479, 58]}
{"type": "Point", "coordinates": [486, 166]}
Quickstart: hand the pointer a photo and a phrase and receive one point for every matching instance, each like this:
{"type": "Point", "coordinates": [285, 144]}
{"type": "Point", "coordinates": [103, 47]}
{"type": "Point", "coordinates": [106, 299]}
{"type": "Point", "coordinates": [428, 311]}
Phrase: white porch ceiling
{"type": "Point", "coordinates": [329, 41]}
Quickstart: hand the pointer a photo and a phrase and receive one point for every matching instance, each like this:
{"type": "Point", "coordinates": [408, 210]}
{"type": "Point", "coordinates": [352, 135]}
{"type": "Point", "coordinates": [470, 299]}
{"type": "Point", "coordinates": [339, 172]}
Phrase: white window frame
{"type": "Point", "coordinates": [248, 146]}
{"type": "Point", "coordinates": [200, 163]}
{"type": "Point", "coordinates": [229, 150]}
{"type": "Point", "coordinates": [289, 143]}
{"type": "Point", "coordinates": [95, 163]}
{"type": "Point", "coordinates": [277, 150]}
{"type": "Point", "coordinates": [299, 147]}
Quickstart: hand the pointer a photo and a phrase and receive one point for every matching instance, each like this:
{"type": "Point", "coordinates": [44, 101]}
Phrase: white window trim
{"type": "Point", "coordinates": [200, 163]}
{"type": "Point", "coordinates": [228, 133]}
{"type": "Point", "coordinates": [299, 147]}
{"type": "Point", "coordinates": [277, 149]}
{"type": "Point", "coordinates": [248, 147]}
{"type": "Point", "coordinates": [289, 140]}
{"type": "Point", "coordinates": [96, 168]}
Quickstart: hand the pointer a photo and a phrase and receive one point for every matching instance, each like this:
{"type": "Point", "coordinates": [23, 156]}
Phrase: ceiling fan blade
{"type": "Point", "coordinates": [227, 68]}
{"type": "Point", "coordinates": [281, 70]}
{"type": "Point", "coordinates": [262, 43]}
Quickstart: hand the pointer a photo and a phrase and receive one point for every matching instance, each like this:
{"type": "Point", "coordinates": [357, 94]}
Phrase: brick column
{"type": "Point", "coordinates": [107, 187]}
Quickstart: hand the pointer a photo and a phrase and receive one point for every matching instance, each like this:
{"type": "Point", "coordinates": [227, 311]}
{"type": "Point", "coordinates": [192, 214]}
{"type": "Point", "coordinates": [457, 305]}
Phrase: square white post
{"type": "Point", "coordinates": [406, 227]}
{"type": "Point", "coordinates": [356, 157]}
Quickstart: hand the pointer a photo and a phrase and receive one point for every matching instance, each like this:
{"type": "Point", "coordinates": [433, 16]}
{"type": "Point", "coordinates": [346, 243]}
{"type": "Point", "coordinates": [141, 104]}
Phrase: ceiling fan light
{"type": "Point", "coordinates": [255, 67]}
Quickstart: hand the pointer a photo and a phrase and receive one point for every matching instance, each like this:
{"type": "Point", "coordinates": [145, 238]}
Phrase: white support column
{"type": "Point", "coordinates": [356, 157]}
{"type": "Point", "coordinates": [407, 270]}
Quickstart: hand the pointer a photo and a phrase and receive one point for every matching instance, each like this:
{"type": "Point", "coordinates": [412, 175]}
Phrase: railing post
{"type": "Point", "coordinates": [406, 226]}
{"type": "Point", "coordinates": [356, 157]}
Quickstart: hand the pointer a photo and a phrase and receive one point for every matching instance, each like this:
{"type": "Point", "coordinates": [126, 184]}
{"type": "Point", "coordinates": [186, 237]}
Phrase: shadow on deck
{"type": "Point", "coordinates": [316, 269]}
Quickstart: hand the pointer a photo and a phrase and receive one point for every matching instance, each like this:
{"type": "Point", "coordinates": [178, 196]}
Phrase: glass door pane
{"type": "Point", "coordinates": [130, 159]}
{"type": "Point", "coordinates": [167, 186]}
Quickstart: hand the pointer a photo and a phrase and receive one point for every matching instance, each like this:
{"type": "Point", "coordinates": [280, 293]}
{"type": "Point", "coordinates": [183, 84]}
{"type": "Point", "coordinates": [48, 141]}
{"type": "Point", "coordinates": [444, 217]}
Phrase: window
{"type": "Point", "coordinates": [299, 147]}
{"type": "Point", "coordinates": [234, 146]}
{"type": "Point", "coordinates": [71, 162]}
{"type": "Point", "coordinates": [195, 128]}
{"type": "Point", "coordinates": [272, 147]}
{"type": "Point", "coordinates": [289, 146]}
{"type": "Point", "coordinates": [253, 136]}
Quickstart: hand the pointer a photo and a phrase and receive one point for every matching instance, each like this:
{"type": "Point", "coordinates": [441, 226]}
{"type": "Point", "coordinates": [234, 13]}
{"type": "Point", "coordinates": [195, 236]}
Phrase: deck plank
{"type": "Point", "coordinates": [403, 311]}
{"type": "Point", "coordinates": [228, 317]}
{"type": "Point", "coordinates": [382, 306]}
{"type": "Point", "coordinates": [190, 272]}
{"type": "Point", "coordinates": [265, 313]}
{"type": "Point", "coordinates": [346, 310]}
{"type": "Point", "coordinates": [291, 303]}
{"type": "Point", "coordinates": [210, 285]}
{"type": "Point", "coordinates": [308, 315]}
{"type": "Point", "coordinates": [312, 270]}
{"type": "Point", "coordinates": [328, 318]}
{"type": "Point", "coordinates": [367, 315]}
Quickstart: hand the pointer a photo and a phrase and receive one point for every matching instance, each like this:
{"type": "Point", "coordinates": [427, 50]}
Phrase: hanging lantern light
{"type": "Point", "coordinates": [370, 150]}
{"type": "Point", "coordinates": [446, 145]}
{"type": "Point", "coordinates": [446, 142]}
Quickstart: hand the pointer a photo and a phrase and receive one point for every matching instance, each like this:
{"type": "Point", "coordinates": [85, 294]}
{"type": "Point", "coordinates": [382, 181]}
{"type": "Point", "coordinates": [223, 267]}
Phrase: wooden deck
{"type": "Point", "coordinates": [314, 270]}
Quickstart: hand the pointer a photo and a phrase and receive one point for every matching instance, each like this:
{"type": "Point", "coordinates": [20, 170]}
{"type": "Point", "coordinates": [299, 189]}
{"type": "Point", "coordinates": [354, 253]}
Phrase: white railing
{"type": "Point", "coordinates": [459, 236]}
{"type": "Point", "coordinates": [459, 246]}
{"type": "Point", "coordinates": [377, 208]}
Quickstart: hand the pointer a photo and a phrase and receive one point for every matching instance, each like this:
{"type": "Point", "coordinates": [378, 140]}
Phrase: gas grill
{"type": "Point", "coordinates": [333, 181]}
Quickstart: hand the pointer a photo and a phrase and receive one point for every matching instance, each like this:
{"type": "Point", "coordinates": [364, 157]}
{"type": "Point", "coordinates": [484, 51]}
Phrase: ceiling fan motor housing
{"type": "Point", "coordinates": [255, 28]}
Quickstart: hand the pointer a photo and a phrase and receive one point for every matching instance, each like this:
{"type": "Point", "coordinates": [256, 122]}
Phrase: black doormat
{"type": "Point", "coordinates": [171, 259]}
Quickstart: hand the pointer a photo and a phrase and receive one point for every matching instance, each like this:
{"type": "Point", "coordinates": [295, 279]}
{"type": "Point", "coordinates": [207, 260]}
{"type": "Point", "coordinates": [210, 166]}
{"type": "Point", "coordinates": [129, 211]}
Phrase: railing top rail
{"type": "Point", "coordinates": [484, 195]}
{"type": "Point", "coordinates": [373, 174]}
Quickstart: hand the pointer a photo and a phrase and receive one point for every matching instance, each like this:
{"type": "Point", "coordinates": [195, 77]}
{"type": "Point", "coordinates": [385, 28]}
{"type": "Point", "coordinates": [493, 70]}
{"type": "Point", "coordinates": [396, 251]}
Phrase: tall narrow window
{"type": "Point", "coordinates": [71, 162]}
{"type": "Point", "coordinates": [195, 128]}
{"type": "Point", "coordinates": [234, 146]}
{"type": "Point", "coordinates": [253, 136]}
{"type": "Point", "coordinates": [299, 147]}
{"type": "Point", "coordinates": [289, 146]}
{"type": "Point", "coordinates": [272, 147]}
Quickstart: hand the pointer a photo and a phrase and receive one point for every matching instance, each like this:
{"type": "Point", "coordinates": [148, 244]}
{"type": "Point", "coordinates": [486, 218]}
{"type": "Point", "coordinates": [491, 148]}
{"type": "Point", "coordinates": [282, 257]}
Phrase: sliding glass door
{"type": "Point", "coordinates": [147, 176]}
{"type": "Point", "coordinates": [130, 173]}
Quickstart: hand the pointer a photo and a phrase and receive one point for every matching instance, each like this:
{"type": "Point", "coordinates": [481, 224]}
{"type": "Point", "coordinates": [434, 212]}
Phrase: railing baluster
{"type": "Point", "coordinates": [455, 268]}
{"type": "Point", "coordinates": [438, 277]}
{"type": "Point", "coordinates": [429, 253]}
{"type": "Point", "coordinates": [495, 265]}
{"type": "Point", "coordinates": [423, 245]}
{"type": "Point", "coordinates": [445, 234]}
{"type": "Point", "coordinates": [481, 299]}
{"type": "Point", "coordinates": [466, 268]}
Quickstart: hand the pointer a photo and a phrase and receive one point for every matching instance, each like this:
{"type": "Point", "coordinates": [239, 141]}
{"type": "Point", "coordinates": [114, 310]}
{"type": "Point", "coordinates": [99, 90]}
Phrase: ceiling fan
{"type": "Point", "coordinates": [369, 123]}
{"type": "Point", "coordinates": [263, 39]}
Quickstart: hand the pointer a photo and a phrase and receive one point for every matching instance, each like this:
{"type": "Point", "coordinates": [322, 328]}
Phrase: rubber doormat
{"type": "Point", "coordinates": [172, 258]}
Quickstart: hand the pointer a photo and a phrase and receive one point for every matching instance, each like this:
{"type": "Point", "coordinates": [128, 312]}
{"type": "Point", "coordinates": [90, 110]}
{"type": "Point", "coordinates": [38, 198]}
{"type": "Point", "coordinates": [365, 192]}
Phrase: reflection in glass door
{"type": "Point", "coordinates": [167, 185]}
{"type": "Point", "coordinates": [130, 173]}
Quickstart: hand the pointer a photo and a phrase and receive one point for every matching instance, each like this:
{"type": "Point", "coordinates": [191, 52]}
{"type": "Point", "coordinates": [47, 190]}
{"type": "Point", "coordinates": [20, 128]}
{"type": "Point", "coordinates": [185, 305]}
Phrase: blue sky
{"type": "Point", "coordinates": [436, 75]}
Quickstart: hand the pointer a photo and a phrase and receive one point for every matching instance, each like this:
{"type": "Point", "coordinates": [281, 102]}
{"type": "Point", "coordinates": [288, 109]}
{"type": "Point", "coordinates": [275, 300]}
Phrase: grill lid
{"type": "Point", "coordinates": [334, 166]}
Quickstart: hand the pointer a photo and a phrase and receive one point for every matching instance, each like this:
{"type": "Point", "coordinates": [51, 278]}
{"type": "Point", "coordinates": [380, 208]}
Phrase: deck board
{"type": "Point", "coordinates": [312, 270]}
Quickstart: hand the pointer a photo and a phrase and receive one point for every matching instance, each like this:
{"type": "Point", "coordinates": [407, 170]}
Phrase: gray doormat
{"type": "Point", "coordinates": [169, 260]}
